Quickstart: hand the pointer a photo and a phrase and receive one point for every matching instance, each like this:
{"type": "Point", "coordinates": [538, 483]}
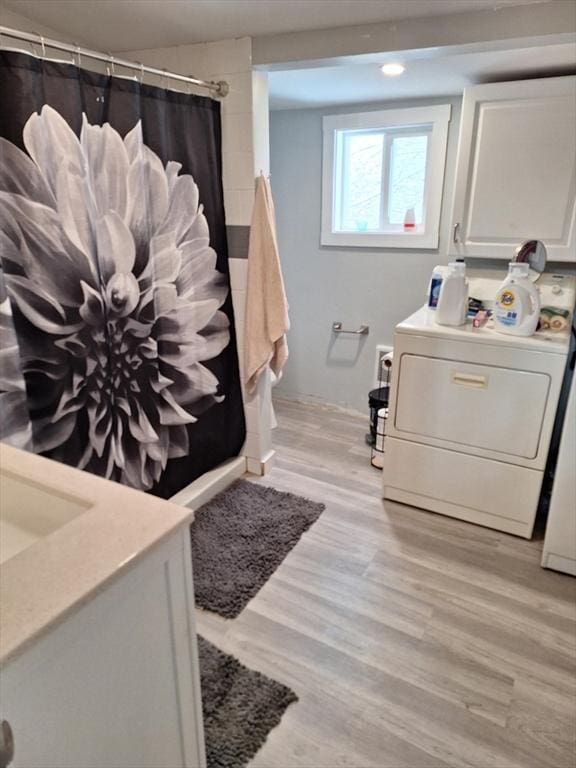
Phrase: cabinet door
{"type": "Point", "coordinates": [117, 683]}
{"type": "Point", "coordinates": [515, 175]}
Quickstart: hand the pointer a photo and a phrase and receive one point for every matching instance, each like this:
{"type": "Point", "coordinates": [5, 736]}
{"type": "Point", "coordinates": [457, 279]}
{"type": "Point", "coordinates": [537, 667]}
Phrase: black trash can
{"type": "Point", "coordinates": [377, 398]}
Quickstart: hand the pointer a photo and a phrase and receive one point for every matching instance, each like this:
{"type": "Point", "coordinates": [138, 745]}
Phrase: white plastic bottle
{"type": "Point", "coordinates": [453, 299]}
{"type": "Point", "coordinates": [517, 304]}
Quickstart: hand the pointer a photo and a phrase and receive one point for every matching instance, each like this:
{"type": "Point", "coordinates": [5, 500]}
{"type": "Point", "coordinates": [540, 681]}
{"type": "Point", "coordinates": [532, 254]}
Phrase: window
{"type": "Point", "coordinates": [383, 177]}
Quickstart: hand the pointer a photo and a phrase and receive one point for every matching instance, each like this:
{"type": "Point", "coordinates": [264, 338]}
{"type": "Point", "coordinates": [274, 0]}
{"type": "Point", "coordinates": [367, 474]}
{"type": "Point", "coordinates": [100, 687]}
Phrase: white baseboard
{"type": "Point", "coordinates": [280, 396]}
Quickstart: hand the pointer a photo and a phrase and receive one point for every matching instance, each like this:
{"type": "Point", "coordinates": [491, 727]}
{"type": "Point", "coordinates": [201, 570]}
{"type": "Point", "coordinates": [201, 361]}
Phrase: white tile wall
{"type": "Point", "coordinates": [239, 98]}
{"type": "Point", "coordinates": [262, 466]}
{"type": "Point", "coordinates": [238, 203]}
{"type": "Point", "coordinates": [238, 170]}
{"type": "Point", "coordinates": [239, 301]}
{"type": "Point", "coordinates": [199, 59]}
{"type": "Point", "coordinates": [237, 131]}
{"type": "Point", "coordinates": [221, 56]}
{"type": "Point", "coordinates": [260, 122]}
{"type": "Point", "coordinates": [238, 274]}
{"type": "Point", "coordinates": [257, 407]}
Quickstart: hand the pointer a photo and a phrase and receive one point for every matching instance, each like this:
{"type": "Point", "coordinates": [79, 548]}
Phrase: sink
{"type": "Point", "coordinates": [30, 511]}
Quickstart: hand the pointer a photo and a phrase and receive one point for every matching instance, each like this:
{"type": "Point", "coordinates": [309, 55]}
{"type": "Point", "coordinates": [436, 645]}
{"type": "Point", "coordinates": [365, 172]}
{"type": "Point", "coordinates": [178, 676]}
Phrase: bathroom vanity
{"type": "Point", "coordinates": [98, 656]}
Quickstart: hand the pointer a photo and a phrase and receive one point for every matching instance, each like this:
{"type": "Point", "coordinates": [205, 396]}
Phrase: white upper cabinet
{"type": "Point", "coordinates": [516, 169]}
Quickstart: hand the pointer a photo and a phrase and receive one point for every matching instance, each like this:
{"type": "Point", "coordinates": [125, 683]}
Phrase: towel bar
{"type": "Point", "coordinates": [364, 330]}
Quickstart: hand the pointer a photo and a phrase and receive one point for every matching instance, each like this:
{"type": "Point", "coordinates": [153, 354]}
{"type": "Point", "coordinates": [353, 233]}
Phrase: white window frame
{"type": "Point", "coordinates": [436, 119]}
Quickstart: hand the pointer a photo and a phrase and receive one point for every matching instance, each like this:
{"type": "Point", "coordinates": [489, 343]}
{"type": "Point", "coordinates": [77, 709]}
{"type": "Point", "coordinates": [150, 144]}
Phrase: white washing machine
{"type": "Point", "coordinates": [472, 411]}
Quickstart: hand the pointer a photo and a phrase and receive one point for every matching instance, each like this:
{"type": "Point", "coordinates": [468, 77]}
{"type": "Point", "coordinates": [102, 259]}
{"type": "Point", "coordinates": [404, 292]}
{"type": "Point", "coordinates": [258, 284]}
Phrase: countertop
{"type": "Point", "coordinates": [44, 583]}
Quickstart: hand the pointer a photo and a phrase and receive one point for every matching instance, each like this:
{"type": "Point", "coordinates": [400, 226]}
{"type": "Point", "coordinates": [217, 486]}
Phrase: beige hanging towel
{"type": "Point", "coordinates": [266, 307]}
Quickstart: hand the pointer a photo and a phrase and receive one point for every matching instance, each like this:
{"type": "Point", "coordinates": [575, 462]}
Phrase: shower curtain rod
{"type": "Point", "coordinates": [220, 88]}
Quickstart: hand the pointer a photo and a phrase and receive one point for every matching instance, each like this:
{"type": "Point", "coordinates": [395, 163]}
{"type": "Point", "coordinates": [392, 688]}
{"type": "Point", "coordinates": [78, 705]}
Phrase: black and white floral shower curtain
{"type": "Point", "coordinates": [118, 351]}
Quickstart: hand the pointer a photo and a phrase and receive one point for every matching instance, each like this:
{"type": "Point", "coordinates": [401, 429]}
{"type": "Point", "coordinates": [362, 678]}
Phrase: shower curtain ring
{"type": "Point", "coordinates": [111, 65]}
{"type": "Point", "coordinates": [31, 42]}
{"type": "Point", "coordinates": [78, 53]}
{"type": "Point", "coordinates": [141, 73]}
{"type": "Point", "coordinates": [43, 44]}
{"type": "Point", "coordinates": [164, 78]}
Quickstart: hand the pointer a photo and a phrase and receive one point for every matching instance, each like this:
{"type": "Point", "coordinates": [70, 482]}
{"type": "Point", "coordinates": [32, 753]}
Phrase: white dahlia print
{"type": "Point", "coordinates": [14, 421]}
{"type": "Point", "coordinates": [108, 266]}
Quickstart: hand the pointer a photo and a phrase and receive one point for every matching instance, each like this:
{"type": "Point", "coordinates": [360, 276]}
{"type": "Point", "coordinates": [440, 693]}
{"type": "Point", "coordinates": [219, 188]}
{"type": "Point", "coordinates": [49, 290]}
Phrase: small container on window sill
{"type": "Point", "coordinates": [409, 220]}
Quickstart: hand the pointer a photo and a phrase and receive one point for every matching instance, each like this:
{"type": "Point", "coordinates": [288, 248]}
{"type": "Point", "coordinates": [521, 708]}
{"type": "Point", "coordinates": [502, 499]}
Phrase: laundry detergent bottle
{"type": "Point", "coordinates": [434, 287]}
{"type": "Point", "coordinates": [517, 305]}
{"type": "Point", "coordinates": [453, 298]}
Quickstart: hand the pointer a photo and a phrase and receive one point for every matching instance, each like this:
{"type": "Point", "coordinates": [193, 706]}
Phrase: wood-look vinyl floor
{"type": "Point", "coordinates": [412, 640]}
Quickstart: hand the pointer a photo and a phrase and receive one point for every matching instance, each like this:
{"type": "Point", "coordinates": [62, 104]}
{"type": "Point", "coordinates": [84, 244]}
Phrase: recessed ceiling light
{"type": "Point", "coordinates": [393, 69]}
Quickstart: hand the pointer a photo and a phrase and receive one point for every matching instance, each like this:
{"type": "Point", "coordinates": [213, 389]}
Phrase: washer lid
{"type": "Point", "coordinates": [423, 323]}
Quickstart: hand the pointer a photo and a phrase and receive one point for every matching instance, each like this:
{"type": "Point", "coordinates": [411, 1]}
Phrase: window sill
{"type": "Point", "coordinates": [409, 240]}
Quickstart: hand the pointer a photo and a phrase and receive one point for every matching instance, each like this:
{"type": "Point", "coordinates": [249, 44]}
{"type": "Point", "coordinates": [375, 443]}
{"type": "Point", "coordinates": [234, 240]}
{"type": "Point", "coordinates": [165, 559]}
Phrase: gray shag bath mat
{"type": "Point", "coordinates": [240, 538]}
{"type": "Point", "coordinates": [240, 707]}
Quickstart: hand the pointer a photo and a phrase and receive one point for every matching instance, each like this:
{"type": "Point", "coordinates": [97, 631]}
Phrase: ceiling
{"type": "Point", "coordinates": [124, 25]}
{"type": "Point", "coordinates": [424, 77]}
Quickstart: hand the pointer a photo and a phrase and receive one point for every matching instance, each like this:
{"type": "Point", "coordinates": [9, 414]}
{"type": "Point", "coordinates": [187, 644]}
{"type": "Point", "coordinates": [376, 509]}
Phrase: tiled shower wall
{"type": "Point", "coordinates": [245, 153]}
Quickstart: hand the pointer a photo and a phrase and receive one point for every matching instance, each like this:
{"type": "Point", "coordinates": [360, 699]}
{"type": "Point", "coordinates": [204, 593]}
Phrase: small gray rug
{"type": "Point", "coordinates": [240, 706]}
{"type": "Point", "coordinates": [240, 538]}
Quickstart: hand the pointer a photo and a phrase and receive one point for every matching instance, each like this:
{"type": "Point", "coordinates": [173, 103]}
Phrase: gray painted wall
{"type": "Point", "coordinates": [353, 285]}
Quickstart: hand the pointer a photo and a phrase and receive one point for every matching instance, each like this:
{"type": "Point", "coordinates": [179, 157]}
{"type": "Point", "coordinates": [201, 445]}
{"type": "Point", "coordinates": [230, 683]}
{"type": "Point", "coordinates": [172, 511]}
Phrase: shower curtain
{"type": "Point", "coordinates": [117, 343]}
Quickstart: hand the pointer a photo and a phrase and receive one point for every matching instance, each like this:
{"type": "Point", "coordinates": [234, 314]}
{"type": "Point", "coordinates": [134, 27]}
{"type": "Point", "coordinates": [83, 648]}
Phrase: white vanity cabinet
{"type": "Point", "coordinates": [516, 169]}
{"type": "Point", "coordinates": [117, 684]}
{"type": "Point", "coordinates": [98, 654]}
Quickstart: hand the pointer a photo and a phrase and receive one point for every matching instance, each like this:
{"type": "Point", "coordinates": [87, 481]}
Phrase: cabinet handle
{"type": "Point", "coordinates": [6, 744]}
{"type": "Point", "coordinates": [456, 233]}
{"type": "Point", "coordinates": [470, 380]}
